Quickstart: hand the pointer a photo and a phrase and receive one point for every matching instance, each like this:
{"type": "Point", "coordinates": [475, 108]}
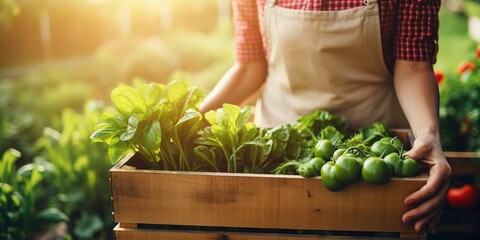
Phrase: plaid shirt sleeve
{"type": "Point", "coordinates": [417, 32]}
{"type": "Point", "coordinates": [248, 38]}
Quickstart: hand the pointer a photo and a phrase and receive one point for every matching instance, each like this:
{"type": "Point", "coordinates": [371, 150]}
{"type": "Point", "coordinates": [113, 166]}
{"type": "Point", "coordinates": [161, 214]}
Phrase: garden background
{"type": "Point", "coordinates": [59, 61]}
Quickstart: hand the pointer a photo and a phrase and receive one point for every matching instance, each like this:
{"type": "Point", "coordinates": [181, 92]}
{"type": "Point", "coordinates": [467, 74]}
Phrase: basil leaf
{"type": "Point", "coordinates": [131, 128]}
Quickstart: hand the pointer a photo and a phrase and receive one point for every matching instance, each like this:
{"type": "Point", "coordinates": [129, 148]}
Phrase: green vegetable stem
{"type": "Point", "coordinates": [401, 166]}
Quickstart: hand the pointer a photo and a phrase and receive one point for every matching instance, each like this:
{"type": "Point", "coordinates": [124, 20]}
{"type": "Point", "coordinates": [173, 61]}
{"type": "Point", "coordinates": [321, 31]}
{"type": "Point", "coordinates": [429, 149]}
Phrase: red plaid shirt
{"type": "Point", "coordinates": [409, 28]}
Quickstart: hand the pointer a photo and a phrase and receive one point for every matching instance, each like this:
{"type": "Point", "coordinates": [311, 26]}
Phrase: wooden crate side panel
{"type": "Point", "coordinates": [258, 201]}
{"type": "Point", "coordinates": [464, 163]}
{"type": "Point", "coordinates": [149, 234]}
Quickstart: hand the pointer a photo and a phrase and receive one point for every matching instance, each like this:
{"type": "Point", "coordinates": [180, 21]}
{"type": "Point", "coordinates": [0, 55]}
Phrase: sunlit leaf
{"type": "Point", "coordinates": [152, 93]}
{"type": "Point", "coordinates": [119, 150]}
{"type": "Point", "coordinates": [128, 101]}
{"type": "Point", "coordinates": [152, 136]}
{"type": "Point", "coordinates": [176, 91]}
{"type": "Point", "coordinates": [131, 128]}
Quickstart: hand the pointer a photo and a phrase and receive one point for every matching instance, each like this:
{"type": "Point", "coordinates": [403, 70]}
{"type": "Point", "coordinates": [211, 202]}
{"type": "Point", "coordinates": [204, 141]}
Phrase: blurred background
{"type": "Point", "coordinates": [60, 59]}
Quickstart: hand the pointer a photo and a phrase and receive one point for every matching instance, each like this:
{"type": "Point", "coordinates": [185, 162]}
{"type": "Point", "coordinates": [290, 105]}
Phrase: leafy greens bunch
{"type": "Point", "coordinates": [232, 139]}
{"type": "Point", "coordinates": [159, 121]}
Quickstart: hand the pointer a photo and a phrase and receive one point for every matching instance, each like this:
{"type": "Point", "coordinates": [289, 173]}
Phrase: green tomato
{"type": "Point", "coordinates": [339, 152]}
{"type": "Point", "coordinates": [382, 148]}
{"type": "Point", "coordinates": [375, 171]}
{"type": "Point", "coordinates": [410, 168]}
{"type": "Point", "coordinates": [311, 168]}
{"type": "Point", "coordinates": [348, 169]}
{"type": "Point", "coordinates": [394, 163]}
{"type": "Point", "coordinates": [401, 167]}
{"type": "Point", "coordinates": [324, 149]}
{"type": "Point", "coordinates": [329, 179]}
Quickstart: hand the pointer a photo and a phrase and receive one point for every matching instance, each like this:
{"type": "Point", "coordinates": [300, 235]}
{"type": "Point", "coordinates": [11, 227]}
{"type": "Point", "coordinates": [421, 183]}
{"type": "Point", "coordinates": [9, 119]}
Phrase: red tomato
{"type": "Point", "coordinates": [439, 76]}
{"type": "Point", "coordinates": [478, 51]}
{"type": "Point", "coordinates": [463, 197]}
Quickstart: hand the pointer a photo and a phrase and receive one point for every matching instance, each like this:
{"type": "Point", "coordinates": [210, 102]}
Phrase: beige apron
{"type": "Point", "coordinates": [326, 60]}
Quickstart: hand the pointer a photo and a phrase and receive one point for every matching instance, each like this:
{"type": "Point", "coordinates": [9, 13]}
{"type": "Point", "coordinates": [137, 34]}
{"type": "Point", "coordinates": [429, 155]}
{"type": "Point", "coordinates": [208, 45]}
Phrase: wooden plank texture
{"type": "Point", "coordinates": [147, 234]}
{"type": "Point", "coordinates": [252, 201]}
{"type": "Point", "coordinates": [464, 163]}
{"type": "Point", "coordinates": [257, 201]}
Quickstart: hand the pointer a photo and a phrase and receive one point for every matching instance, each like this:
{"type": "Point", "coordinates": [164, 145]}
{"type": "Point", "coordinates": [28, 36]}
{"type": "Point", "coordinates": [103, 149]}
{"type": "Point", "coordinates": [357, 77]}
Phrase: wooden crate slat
{"type": "Point", "coordinates": [260, 201]}
{"type": "Point", "coordinates": [257, 200]}
{"type": "Point", "coordinates": [464, 163]}
{"type": "Point", "coordinates": [167, 234]}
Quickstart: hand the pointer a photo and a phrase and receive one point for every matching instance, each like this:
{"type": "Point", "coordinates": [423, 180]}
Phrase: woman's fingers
{"type": "Point", "coordinates": [426, 213]}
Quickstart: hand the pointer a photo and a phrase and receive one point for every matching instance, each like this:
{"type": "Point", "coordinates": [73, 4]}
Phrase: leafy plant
{"type": "Point", "coordinates": [29, 103]}
{"type": "Point", "coordinates": [159, 121]}
{"type": "Point", "coordinates": [460, 106]}
{"type": "Point", "coordinates": [81, 163]}
{"type": "Point", "coordinates": [24, 209]}
{"type": "Point", "coordinates": [232, 138]}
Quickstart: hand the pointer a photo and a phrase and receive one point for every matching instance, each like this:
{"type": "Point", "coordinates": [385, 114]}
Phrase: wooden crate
{"type": "Point", "coordinates": [464, 163]}
{"type": "Point", "coordinates": [152, 204]}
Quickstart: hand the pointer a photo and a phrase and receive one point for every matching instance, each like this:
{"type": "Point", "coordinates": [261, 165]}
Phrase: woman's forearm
{"type": "Point", "coordinates": [239, 83]}
{"type": "Point", "coordinates": [417, 92]}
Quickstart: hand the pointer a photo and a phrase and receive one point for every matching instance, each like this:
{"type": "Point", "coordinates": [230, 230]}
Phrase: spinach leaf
{"type": "Point", "coordinates": [236, 139]}
{"type": "Point", "coordinates": [159, 121]}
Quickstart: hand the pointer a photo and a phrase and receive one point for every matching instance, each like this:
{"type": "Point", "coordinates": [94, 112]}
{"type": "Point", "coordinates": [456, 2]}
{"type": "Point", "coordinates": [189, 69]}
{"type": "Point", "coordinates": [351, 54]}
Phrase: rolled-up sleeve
{"type": "Point", "coordinates": [417, 30]}
{"type": "Point", "coordinates": [248, 37]}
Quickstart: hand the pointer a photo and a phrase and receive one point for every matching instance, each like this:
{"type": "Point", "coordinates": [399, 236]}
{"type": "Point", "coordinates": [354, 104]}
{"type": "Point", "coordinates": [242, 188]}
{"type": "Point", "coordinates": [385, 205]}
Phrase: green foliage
{"type": "Point", "coordinates": [285, 143]}
{"type": "Point", "coordinates": [81, 163]}
{"type": "Point", "coordinates": [233, 138]}
{"type": "Point", "coordinates": [24, 213]}
{"type": "Point", "coordinates": [159, 121]}
{"type": "Point", "coordinates": [310, 125]}
{"type": "Point", "coordinates": [30, 103]}
{"type": "Point", "coordinates": [460, 108]}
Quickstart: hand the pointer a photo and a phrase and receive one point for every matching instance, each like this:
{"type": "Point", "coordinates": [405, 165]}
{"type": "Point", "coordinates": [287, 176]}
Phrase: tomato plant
{"type": "Point", "coordinates": [460, 108]}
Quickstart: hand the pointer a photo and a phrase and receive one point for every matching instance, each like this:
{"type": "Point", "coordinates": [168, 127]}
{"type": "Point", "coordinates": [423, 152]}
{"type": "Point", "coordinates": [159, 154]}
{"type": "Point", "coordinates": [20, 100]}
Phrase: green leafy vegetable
{"type": "Point", "coordinates": [235, 138]}
{"type": "Point", "coordinates": [159, 121]}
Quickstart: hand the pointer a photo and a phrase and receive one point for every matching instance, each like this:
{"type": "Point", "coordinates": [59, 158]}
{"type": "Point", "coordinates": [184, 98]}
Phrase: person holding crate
{"type": "Point", "coordinates": [366, 60]}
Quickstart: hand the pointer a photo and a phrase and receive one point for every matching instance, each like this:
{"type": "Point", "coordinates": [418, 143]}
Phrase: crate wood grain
{"type": "Point", "coordinates": [464, 163]}
{"type": "Point", "coordinates": [263, 201]}
{"type": "Point", "coordinates": [146, 234]}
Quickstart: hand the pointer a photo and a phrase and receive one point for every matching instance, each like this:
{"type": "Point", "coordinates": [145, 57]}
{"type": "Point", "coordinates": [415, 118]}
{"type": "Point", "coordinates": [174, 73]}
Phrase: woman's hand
{"type": "Point", "coordinates": [426, 204]}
